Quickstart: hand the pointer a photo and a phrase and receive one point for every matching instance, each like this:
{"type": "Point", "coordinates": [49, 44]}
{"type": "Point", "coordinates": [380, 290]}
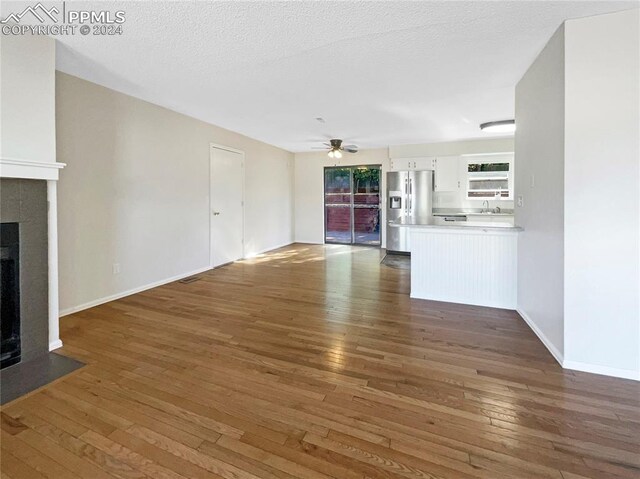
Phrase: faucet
{"type": "Point", "coordinates": [485, 206]}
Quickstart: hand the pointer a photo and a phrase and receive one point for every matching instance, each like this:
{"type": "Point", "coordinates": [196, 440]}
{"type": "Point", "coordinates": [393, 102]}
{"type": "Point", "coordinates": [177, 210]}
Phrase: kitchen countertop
{"type": "Point", "coordinates": [434, 223]}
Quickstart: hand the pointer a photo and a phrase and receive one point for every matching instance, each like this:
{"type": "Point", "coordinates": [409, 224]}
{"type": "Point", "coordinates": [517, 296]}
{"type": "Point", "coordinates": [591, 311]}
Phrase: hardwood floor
{"type": "Point", "coordinates": [313, 362]}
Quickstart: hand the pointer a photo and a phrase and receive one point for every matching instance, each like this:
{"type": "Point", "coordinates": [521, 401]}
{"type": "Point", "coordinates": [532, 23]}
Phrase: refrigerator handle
{"type": "Point", "coordinates": [410, 196]}
{"type": "Point", "coordinates": [406, 193]}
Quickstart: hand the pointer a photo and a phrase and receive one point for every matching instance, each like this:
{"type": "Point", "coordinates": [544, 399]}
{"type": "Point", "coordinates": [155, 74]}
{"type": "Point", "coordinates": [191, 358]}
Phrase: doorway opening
{"type": "Point", "coordinates": [352, 205]}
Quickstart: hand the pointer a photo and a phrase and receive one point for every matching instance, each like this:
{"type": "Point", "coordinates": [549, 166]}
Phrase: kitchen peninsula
{"type": "Point", "coordinates": [467, 262]}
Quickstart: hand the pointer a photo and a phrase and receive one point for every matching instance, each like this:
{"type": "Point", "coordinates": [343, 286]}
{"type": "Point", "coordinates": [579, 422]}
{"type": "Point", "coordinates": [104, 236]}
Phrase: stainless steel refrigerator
{"type": "Point", "coordinates": [409, 200]}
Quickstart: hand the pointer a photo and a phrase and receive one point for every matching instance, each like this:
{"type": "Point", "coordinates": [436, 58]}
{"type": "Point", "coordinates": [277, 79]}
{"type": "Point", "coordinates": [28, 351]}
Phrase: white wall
{"type": "Point", "coordinates": [457, 199]}
{"type": "Point", "coordinates": [602, 193]}
{"type": "Point", "coordinates": [578, 138]}
{"type": "Point", "coordinates": [27, 98]}
{"type": "Point", "coordinates": [309, 189]}
{"type": "Point", "coordinates": [136, 192]}
{"type": "Point", "coordinates": [451, 148]}
{"type": "Point", "coordinates": [539, 155]}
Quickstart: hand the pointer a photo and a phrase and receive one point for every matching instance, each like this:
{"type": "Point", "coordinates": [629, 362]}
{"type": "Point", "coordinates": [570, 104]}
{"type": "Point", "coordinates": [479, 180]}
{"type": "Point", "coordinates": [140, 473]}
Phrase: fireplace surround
{"type": "Point", "coordinates": [9, 294]}
{"type": "Point", "coordinates": [24, 270]}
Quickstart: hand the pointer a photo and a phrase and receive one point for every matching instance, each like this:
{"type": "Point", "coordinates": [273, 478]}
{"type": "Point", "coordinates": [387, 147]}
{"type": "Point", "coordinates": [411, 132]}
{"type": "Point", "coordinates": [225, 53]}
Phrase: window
{"type": "Point", "coordinates": [489, 180]}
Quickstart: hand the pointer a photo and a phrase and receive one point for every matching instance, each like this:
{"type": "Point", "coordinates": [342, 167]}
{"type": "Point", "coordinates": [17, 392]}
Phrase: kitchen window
{"type": "Point", "coordinates": [489, 180]}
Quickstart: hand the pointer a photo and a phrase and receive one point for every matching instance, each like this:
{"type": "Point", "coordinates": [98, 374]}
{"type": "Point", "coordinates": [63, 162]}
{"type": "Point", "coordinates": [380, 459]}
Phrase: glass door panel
{"type": "Point", "coordinates": [366, 205]}
{"type": "Point", "coordinates": [366, 223]}
{"type": "Point", "coordinates": [337, 205]}
{"type": "Point", "coordinates": [352, 205]}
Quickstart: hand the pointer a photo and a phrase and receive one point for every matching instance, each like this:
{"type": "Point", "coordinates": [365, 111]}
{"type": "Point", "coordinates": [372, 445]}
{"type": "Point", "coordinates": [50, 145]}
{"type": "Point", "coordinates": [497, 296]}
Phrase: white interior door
{"type": "Point", "coordinates": [227, 205]}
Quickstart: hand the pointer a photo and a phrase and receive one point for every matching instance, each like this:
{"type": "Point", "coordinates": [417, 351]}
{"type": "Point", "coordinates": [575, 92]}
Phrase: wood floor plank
{"type": "Point", "coordinates": [161, 456]}
{"type": "Point", "coordinates": [41, 463]}
{"type": "Point", "coordinates": [313, 362]}
{"type": "Point", "coordinates": [16, 468]}
{"type": "Point", "coordinates": [129, 457]}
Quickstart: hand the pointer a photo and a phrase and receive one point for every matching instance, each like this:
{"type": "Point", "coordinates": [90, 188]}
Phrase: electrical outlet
{"type": "Point", "coordinates": [533, 181]}
{"type": "Point", "coordinates": [116, 268]}
{"type": "Point", "coordinates": [520, 201]}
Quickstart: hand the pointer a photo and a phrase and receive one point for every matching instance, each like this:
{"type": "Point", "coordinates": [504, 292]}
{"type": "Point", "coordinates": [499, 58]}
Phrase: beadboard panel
{"type": "Point", "coordinates": [476, 267]}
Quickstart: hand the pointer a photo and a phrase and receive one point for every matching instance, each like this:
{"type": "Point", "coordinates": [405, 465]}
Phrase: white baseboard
{"type": "Point", "coordinates": [577, 365]}
{"type": "Point", "coordinates": [548, 344]}
{"type": "Point", "coordinates": [457, 300]}
{"type": "Point", "coordinates": [55, 344]}
{"type": "Point", "coordinates": [605, 370]}
{"type": "Point", "coordinates": [113, 297]}
{"type": "Point", "coordinates": [129, 292]}
{"type": "Point", "coordinates": [253, 255]}
{"type": "Point", "coordinates": [308, 241]}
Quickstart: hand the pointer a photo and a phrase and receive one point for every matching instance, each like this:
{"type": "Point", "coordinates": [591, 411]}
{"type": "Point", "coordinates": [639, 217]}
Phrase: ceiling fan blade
{"type": "Point", "coordinates": [350, 148]}
{"type": "Point", "coordinates": [319, 148]}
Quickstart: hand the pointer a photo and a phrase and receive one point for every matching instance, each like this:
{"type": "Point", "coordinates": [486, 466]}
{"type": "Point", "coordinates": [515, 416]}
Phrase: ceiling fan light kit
{"type": "Point", "coordinates": [336, 148]}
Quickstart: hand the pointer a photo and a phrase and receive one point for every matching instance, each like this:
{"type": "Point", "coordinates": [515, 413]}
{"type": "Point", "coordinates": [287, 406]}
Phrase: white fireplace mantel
{"type": "Point", "coordinates": [29, 169]}
{"type": "Point", "coordinates": [48, 171]}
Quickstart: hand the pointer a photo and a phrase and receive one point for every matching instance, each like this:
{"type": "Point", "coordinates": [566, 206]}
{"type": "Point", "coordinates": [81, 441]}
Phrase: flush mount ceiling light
{"type": "Point", "coordinates": [502, 126]}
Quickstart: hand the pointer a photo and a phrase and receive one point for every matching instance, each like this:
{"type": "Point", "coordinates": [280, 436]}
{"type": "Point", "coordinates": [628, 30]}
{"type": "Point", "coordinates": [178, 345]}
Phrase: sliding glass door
{"type": "Point", "coordinates": [366, 204]}
{"type": "Point", "coordinates": [352, 205]}
{"type": "Point", "coordinates": [337, 205]}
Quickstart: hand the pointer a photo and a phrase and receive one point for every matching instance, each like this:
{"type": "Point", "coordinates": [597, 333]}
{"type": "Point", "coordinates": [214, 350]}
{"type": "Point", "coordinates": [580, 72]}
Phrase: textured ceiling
{"type": "Point", "coordinates": [379, 73]}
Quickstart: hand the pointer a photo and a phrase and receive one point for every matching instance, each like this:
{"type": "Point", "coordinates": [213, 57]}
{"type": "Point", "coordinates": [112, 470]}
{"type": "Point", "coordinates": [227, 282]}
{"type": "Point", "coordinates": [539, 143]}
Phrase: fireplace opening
{"type": "Point", "coordinates": [9, 294]}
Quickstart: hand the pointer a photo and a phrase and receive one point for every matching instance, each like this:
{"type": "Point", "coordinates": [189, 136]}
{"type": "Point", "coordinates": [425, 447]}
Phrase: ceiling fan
{"type": "Point", "coordinates": [335, 148]}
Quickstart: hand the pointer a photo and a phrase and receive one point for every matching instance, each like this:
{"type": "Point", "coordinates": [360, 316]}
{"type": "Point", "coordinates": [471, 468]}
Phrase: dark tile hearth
{"type": "Point", "coordinates": [27, 376]}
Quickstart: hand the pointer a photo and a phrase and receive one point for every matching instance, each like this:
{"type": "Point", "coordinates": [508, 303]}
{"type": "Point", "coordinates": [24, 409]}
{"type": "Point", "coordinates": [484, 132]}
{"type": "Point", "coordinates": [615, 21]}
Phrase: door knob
{"type": "Point", "coordinates": [216, 213]}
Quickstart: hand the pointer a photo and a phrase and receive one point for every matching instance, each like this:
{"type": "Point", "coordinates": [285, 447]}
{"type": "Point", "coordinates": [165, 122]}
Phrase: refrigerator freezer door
{"type": "Point", "coordinates": [397, 239]}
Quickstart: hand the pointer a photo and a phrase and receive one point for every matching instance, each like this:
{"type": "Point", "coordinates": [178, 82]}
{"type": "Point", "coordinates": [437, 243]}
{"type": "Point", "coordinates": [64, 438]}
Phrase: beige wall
{"type": "Point", "coordinates": [136, 192]}
{"type": "Point", "coordinates": [27, 108]}
{"type": "Point", "coordinates": [309, 189]}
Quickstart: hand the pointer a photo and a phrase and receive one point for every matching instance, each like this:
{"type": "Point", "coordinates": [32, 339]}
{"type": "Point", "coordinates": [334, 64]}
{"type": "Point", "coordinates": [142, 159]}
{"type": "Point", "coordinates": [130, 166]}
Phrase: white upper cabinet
{"type": "Point", "coordinates": [419, 164]}
{"type": "Point", "coordinates": [447, 173]}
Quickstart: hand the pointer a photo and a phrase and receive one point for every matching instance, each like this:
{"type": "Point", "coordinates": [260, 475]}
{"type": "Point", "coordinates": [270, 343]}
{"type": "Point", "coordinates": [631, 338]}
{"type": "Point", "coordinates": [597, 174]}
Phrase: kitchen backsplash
{"type": "Point", "coordinates": [455, 200]}
{"type": "Point", "coordinates": [457, 211]}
